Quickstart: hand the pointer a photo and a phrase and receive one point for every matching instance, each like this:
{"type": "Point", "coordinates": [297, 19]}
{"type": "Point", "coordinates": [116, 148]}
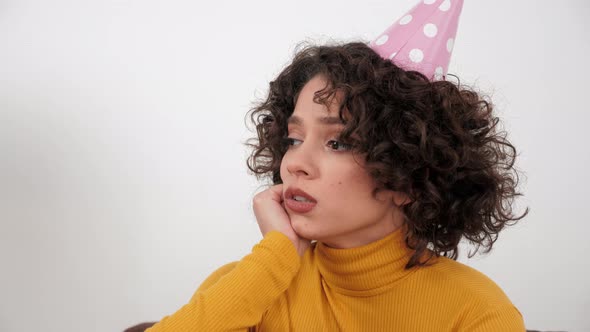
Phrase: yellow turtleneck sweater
{"type": "Point", "coordinates": [358, 289]}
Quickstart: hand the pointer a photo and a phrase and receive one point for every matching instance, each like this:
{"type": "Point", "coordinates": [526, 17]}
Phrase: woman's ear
{"type": "Point", "coordinates": [399, 198]}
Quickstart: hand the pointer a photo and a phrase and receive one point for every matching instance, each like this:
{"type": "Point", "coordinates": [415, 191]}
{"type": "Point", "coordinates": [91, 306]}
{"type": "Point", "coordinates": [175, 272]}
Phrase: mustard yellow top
{"type": "Point", "coordinates": [359, 289]}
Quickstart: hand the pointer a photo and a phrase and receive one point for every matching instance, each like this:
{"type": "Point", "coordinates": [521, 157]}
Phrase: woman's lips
{"type": "Point", "coordinates": [294, 191]}
{"type": "Point", "coordinates": [299, 207]}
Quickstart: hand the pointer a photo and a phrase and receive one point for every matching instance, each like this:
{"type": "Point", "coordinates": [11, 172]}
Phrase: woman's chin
{"type": "Point", "coordinates": [304, 227]}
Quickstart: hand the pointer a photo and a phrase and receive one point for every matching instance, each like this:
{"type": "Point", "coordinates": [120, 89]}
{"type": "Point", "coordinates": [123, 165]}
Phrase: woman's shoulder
{"type": "Point", "coordinates": [482, 301]}
{"type": "Point", "coordinates": [463, 279]}
{"type": "Point", "coordinates": [216, 275]}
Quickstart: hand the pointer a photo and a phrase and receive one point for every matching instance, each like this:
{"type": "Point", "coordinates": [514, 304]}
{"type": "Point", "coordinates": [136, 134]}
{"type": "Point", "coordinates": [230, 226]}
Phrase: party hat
{"type": "Point", "coordinates": [423, 39]}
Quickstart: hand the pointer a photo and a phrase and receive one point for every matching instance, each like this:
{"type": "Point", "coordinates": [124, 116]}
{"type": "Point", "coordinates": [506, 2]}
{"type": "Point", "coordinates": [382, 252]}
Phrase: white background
{"type": "Point", "coordinates": [123, 181]}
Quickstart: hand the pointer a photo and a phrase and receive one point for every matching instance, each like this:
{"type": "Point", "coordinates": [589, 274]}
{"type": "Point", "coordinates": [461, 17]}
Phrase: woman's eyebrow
{"type": "Point", "coordinates": [326, 120]}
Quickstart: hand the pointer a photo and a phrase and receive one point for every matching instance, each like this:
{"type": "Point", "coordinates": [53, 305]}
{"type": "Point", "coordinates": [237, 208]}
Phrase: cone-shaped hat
{"type": "Point", "coordinates": [423, 38]}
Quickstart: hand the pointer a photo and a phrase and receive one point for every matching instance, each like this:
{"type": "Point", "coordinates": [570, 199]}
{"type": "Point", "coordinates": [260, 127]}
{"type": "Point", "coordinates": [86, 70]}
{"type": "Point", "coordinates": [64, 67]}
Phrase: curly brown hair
{"type": "Point", "coordinates": [435, 141]}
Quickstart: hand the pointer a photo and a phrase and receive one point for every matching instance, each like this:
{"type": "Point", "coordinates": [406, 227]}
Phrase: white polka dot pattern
{"type": "Point", "coordinates": [445, 5]}
{"type": "Point", "coordinates": [423, 38]}
{"type": "Point", "coordinates": [438, 73]}
{"type": "Point", "coordinates": [416, 55]}
{"type": "Point", "coordinates": [450, 44]}
{"type": "Point", "coordinates": [430, 30]}
{"type": "Point", "coordinates": [405, 20]}
{"type": "Point", "coordinates": [382, 40]}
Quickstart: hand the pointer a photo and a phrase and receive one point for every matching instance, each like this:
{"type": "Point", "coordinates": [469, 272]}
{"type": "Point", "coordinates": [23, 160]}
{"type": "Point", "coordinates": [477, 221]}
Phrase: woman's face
{"type": "Point", "coordinates": [346, 214]}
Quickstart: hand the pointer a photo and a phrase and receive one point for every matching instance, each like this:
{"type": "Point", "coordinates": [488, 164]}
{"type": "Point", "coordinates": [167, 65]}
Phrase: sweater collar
{"type": "Point", "coordinates": [368, 269]}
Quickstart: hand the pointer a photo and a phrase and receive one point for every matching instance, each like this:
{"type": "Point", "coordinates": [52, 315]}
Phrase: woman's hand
{"type": "Point", "coordinates": [271, 215]}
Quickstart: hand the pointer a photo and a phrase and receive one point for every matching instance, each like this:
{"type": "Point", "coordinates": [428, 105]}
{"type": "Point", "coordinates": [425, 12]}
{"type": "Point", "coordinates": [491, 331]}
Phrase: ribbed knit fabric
{"type": "Point", "coordinates": [359, 289]}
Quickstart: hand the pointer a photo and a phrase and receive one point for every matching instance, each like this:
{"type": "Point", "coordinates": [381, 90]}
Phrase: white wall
{"type": "Point", "coordinates": [122, 174]}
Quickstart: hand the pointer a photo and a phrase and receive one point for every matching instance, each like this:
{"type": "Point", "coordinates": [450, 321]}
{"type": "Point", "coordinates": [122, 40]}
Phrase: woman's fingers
{"type": "Point", "coordinates": [269, 208]}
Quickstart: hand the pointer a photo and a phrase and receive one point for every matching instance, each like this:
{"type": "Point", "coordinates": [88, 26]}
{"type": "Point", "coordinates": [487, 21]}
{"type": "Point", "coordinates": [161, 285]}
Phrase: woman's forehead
{"type": "Point", "coordinates": [309, 109]}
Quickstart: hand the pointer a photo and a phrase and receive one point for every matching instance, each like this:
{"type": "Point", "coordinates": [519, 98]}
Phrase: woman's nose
{"type": "Point", "coordinates": [300, 160]}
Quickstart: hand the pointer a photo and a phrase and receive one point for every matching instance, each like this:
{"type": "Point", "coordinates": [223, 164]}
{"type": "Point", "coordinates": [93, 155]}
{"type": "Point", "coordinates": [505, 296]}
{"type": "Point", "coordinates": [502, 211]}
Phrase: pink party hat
{"type": "Point", "coordinates": [423, 39]}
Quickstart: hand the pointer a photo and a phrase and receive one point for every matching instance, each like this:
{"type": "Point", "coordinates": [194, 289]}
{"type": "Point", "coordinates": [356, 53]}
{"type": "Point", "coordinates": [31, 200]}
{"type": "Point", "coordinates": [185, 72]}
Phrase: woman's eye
{"type": "Point", "coordinates": [339, 146]}
{"type": "Point", "coordinates": [288, 141]}
{"type": "Point", "coordinates": [333, 144]}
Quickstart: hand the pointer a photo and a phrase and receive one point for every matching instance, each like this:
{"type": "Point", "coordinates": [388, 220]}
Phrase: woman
{"type": "Point", "coordinates": [378, 173]}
